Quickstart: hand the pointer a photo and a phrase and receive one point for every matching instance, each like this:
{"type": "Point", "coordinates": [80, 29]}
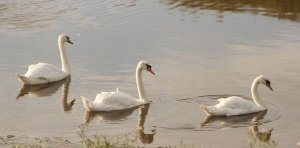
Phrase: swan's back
{"type": "Point", "coordinates": [235, 102]}
{"type": "Point", "coordinates": [45, 70]}
{"type": "Point", "coordinates": [233, 106]}
{"type": "Point", "coordinates": [115, 100]}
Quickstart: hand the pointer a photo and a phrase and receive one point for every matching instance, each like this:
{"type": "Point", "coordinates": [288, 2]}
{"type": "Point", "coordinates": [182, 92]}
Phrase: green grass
{"type": "Point", "coordinates": [26, 146]}
{"type": "Point", "coordinates": [127, 140]}
{"type": "Point", "coordinates": [131, 140]}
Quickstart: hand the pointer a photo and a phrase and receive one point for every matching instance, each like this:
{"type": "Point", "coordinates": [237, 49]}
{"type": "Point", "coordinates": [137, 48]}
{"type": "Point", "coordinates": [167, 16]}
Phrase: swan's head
{"type": "Point", "coordinates": [144, 65]}
{"type": "Point", "coordinates": [263, 80]}
{"type": "Point", "coordinates": [64, 38]}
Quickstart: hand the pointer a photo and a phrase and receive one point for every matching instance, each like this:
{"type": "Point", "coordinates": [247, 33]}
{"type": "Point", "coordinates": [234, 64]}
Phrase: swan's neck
{"type": "Point", "coordinates": [256, 98]}
{"type": "Point", "coordinates": [140, 85]}
{"type": "Point", "coordinates": [63, 57]}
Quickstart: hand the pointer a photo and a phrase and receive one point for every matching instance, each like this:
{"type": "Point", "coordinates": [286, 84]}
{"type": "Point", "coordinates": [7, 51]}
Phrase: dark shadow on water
{"type": "Point", "coordinates": [281, 9]}
{"type": "Point", "coordinates": [45, 90]}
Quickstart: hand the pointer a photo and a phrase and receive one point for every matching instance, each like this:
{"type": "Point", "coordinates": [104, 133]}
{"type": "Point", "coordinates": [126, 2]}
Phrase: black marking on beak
{"type": "Point", "coordinates": [149, 68]}
{"type": "Point", "coordinates": [268, 84]}
{"type": "Point", "coordinates": [68, 40]}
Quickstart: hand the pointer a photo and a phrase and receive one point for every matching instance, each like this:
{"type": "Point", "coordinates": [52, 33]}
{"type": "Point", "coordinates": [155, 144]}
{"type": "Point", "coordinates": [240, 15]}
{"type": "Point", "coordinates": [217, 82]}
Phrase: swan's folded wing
{"type": "Point", "coordinates": [207, 112]}
{"type": "Point", "coordinates": [234, 106]}
{"type": "Point", "coordinates": [87, 103]}
{"type": "Point", "coordinates": [235, 102]}
{"type": "Point", "coordinates": [44, 70]}
{"type": "Point", "coordinates": [108, 101]}
{"type": "Point", "coordinates": [102, 96]}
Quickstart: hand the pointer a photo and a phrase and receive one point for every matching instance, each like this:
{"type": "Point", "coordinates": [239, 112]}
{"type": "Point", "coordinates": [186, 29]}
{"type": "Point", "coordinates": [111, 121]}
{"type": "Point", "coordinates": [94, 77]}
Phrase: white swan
{"type": "Point", "coordinates": [116, 100]}
{"type": "Point", "coordinates": [42, 73]}
{"type": "Point", "coordinates": [238, 106]}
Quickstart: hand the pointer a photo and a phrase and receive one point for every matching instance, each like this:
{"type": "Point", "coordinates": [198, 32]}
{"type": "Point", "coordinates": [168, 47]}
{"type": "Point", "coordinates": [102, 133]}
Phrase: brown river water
{"type": "Point", "coordinates": [200, 50]}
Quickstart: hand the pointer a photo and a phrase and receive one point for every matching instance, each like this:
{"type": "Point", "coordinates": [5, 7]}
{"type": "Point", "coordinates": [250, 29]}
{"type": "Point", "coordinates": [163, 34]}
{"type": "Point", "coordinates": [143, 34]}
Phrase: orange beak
{"type": "Point", "coordinates": [269, 86]}
{"type": "Point", "coordinates": [150, 70]}
{"type": "Point", "coordinates": [70, 42]}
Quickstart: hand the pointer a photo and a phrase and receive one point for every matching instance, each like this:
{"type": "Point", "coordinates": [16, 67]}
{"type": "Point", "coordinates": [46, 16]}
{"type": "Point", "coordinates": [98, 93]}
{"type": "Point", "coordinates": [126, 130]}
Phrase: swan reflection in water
{"type": "Point", "coordinates": [232, 121]}
{"type": "Point", "coordinates": [257, 138]}
{"type": "Point", "coordinates": [45, 90]}
{"type": "Point", "coordinates": [145, 138]}
{"type": "Point", "coordinates": [118, 115]}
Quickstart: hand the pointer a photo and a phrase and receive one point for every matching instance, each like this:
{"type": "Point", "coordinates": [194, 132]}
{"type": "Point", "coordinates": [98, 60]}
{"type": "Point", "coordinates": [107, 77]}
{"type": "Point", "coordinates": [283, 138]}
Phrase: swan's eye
{"type": "Point", "coordinates": [148, 66]}
{"type": "Point", "coordinates": [268, 82]}
{"type": "Point", "coordinates": [68, 40]}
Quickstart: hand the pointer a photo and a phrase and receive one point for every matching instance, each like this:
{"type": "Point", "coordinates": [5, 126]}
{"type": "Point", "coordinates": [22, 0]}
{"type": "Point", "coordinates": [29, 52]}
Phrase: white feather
{"type": "Point", "coordinates": [45, 70]}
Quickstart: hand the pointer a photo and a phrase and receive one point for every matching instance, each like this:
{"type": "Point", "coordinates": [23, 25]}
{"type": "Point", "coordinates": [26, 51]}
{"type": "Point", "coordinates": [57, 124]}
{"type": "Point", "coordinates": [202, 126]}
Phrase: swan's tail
{"type": "Point", "coordinates": [23, 79]}
{"type": "Point", "coordinates": [31, 80]}
{"type": "Point", "coordinates": [207, 112]}
{"type": "Point", "coordinates": [86, 103]}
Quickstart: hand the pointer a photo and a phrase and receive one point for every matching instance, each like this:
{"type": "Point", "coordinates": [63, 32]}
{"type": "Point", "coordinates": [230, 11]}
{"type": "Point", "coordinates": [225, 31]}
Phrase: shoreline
{"type": "Point", "coordinates": [21, 141]}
